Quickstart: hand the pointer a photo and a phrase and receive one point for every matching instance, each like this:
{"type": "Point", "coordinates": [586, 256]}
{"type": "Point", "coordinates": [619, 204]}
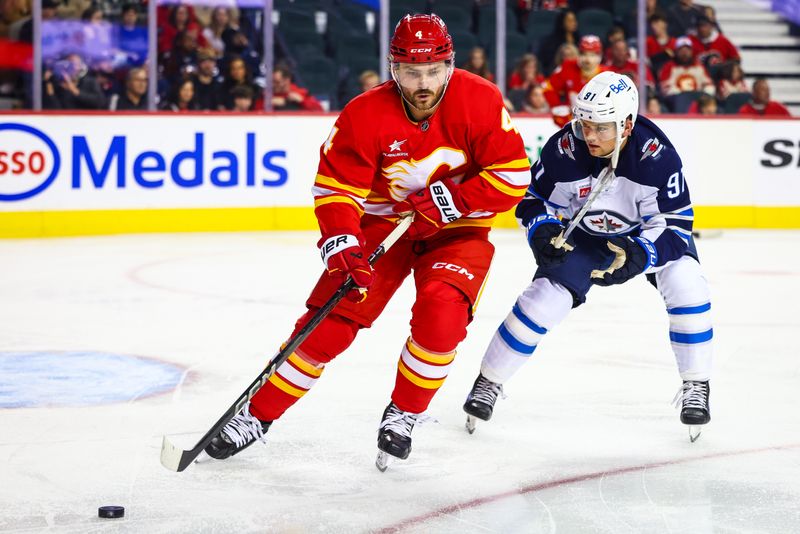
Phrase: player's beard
{"type": "Point", "coordinates": [428, 103]}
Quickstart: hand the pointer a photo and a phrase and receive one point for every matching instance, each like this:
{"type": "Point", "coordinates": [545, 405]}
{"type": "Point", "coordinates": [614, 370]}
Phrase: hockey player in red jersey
{"type": "Point", "coordinates": [563, 85]}
{"type": "Point", "coordinates": [435, 141]}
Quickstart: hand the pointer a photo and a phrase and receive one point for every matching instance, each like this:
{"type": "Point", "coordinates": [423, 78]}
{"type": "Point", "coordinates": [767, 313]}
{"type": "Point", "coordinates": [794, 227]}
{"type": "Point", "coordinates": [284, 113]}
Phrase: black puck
{"type": "Point", "coordinates": [111, 512]}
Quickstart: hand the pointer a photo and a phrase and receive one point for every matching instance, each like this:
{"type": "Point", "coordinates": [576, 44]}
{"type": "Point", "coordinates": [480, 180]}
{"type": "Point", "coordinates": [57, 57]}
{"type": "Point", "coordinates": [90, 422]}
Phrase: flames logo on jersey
{"type": "Point", "coordinates": [406, 177]}
{"type": "Point", "coordinates": [606, 222]}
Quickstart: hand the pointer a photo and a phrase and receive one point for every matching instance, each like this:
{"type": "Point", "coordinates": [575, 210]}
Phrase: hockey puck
{"type": "Point", "coordinates": [111, 512]}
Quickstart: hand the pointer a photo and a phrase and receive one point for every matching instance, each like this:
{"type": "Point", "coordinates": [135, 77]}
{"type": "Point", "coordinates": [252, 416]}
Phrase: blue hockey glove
{"type": "Point", "coordinates": [634, 256]}
{"type": "Point", "coordinates": [542, 230]}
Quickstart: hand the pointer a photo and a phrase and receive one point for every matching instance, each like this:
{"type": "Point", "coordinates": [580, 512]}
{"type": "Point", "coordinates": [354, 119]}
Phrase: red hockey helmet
{"type": "Point", "coordinates": [421, 39]}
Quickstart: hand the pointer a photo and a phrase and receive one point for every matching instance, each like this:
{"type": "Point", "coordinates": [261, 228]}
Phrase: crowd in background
{"type": "Point", "coordinates": [210, 58]}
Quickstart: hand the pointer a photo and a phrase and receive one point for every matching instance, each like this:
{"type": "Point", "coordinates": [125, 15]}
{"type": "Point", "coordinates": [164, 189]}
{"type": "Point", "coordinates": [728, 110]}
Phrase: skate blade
{"type": "Point", "coordinates": [694, 432]}
{"type": "Point", "coordinates": [384, 460]}
{"type": "Point", "coordinates": [203, 458]}
{"type": "Point", "coordinates": [472, 422]}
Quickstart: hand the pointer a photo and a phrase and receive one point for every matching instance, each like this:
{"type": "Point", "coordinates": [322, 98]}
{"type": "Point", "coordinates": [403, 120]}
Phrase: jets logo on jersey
{"type": "Point", "coordinates": [566, 145]}
{"type": "Point", "coordinates": [606, 223]}
{"type": "Point", "coordinates": [651, 148]}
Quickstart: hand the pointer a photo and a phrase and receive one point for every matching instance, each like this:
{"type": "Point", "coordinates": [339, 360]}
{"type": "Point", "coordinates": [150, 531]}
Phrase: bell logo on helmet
{"type": "Point", "coordinates": [619, 86]}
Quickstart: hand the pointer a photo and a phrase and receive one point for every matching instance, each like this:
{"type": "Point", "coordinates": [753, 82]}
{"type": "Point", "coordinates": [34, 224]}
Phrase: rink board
{"type": "Point", "coordinates": [75, 174]}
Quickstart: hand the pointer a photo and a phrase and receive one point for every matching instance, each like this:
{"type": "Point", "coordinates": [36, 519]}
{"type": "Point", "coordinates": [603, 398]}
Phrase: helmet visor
{"type": "Point", "coordinates": [600, 131]}
{"type": "Point", "coordinates": [421, 78]}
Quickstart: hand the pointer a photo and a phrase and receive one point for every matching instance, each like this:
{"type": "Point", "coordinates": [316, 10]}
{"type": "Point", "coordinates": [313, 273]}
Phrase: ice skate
{"type": "Point", "coordinates": [480, 401]}
{"type": "Point", "coordinates": [692, 398]}
{"type": "Point", "coordinates": [394, 435]}
{"type": "Point", "coordinates": [241, 432]}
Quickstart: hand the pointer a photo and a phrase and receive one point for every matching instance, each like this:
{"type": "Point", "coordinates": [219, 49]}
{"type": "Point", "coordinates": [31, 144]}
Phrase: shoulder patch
{"type": "Point", "coordinates": [566, 145]}
{"type": "Point", "coordinates": [652, 148]}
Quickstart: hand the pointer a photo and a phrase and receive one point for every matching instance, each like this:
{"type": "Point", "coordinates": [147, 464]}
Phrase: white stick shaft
{"type": "Point", "coordinates": [606, 175]}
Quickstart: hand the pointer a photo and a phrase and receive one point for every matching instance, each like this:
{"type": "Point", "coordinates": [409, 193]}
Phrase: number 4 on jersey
{"type": "Point", "coordinates": [506, 123]}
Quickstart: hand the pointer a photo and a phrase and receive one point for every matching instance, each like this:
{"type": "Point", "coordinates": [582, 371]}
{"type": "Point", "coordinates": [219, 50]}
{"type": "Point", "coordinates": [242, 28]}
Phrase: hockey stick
{"type": "Point", "coordinates": [176, 459]}
{"type": "Point", "coordinates": [606, 175]}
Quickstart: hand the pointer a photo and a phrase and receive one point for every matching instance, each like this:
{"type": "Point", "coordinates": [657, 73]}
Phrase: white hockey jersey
{"type": "Point", "coordinates": [648, 197]}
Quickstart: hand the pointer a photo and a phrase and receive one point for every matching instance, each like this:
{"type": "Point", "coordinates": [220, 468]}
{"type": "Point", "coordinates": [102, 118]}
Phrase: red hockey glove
{"type": "Point", "coordinates": [436, 205]}
{"type": "Point", "coordinates": [344, 255]}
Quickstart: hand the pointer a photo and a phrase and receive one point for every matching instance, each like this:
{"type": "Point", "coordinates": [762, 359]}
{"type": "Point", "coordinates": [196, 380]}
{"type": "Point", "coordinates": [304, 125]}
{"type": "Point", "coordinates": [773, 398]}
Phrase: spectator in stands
{"type": "Point", "coordinates": [182, 56]}
{"type": "Point", "coordinates": [97, 38]}
{"type": "Point", "coordinates": [207, 88]}
{"type": "Point", "coordinates": [238, 75]}
{"type": "Point", "coordinates": [565, 30]}
{"type": "Point", "coordinates": [652, 8]}
{"type": "Point", "coordinates": [74, 87]}
{"type": "Point", "coordinates": [731, 80]}
{"type": "Point", "coordinates": [220, 21]}
{"type": "Point", "coordinates": [683, 17]}
{"type": "Point", "coordinates": [704, 105]}
{"type": "Point", "coordinates": [12, 16]}
{"type": "Point", "coordinates": [654, 105]}
{"type": "Point", "coordinates": [49, 10]}
{"type": "Point", "coordinates": [131, 36]}
{"type": "Point", "coordinates": [711, 46]}
{"type": "Point", "coordinates": [368, 79]}
{"type": "Point", "coordinates": [239, 39]}
{"type": "Point", "coordinates": [566, 81]}
{"type": "Point", "coordinates": [181, 18]}
{"type": "Point", "coordinates": [134, 97]}
{"type": "Point", "coordinates": [622, 64]}
{"type": "Point", "coordinates": [526, 74]}
{"type": "Point", "coordinates": [181, 97]}
{"type": "Point", "coordinates": [478, 64]}
{"type": "Point", "coordinates": [242, 99]}
{"type": "Point", "coordinates": [287, 96]}
{"type": "Point", "coordinates": [565, 52]}
{"type": "Point", "coordinates": [103, 70]}
{"type": "Point", "coordinates": [660, 45]}
{"type": "Point", "coordinates": [761, 104]}
{"type": "Point", "coordinates": [632, 17]}
{"type": "Point", "coordinates": [684, 73]}
{"type": "Point", "coordinates": [92, 15]}
{"type": "Point", "coordinates": [614, 34]}
{"type": "Point", "coordinates": [711, 15]}
{"type": "Point", "coordinates": [535, 102]}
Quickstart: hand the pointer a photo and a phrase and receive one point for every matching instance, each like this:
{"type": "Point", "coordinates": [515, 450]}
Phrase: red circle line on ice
{"type": "Point", "coordinates": [474, 503]}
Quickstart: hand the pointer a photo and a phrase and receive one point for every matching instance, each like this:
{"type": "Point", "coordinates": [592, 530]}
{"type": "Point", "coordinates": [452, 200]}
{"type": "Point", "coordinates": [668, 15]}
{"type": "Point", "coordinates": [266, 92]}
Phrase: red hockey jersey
{"type": "Point", "coordinates": [376, 155]}
{"type": "Point", "coordinates": [566, 82]}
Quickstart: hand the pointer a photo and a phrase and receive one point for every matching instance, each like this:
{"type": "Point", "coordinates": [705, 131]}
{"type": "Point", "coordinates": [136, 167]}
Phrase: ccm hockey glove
{"type": "Point", "coordinates": [542, 230]}
{"type": "Point", "coordinates": [344, 255]}
{"type": "Point", "coordinates": [436, 205]}
{"type": "Point", "coordinates": [634, 255]}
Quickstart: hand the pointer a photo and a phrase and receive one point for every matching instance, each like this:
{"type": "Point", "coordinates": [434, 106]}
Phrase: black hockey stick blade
{"type": "Point", "coordinates": [177, 459]}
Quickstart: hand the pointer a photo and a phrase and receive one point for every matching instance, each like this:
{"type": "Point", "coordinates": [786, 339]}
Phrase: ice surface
{"type": "Point", "coordinates": [586, 442]}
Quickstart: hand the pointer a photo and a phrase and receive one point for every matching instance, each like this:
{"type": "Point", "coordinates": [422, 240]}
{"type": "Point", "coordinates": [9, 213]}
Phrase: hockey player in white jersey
{"type": "Point", "coordinates": [640, 222]}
